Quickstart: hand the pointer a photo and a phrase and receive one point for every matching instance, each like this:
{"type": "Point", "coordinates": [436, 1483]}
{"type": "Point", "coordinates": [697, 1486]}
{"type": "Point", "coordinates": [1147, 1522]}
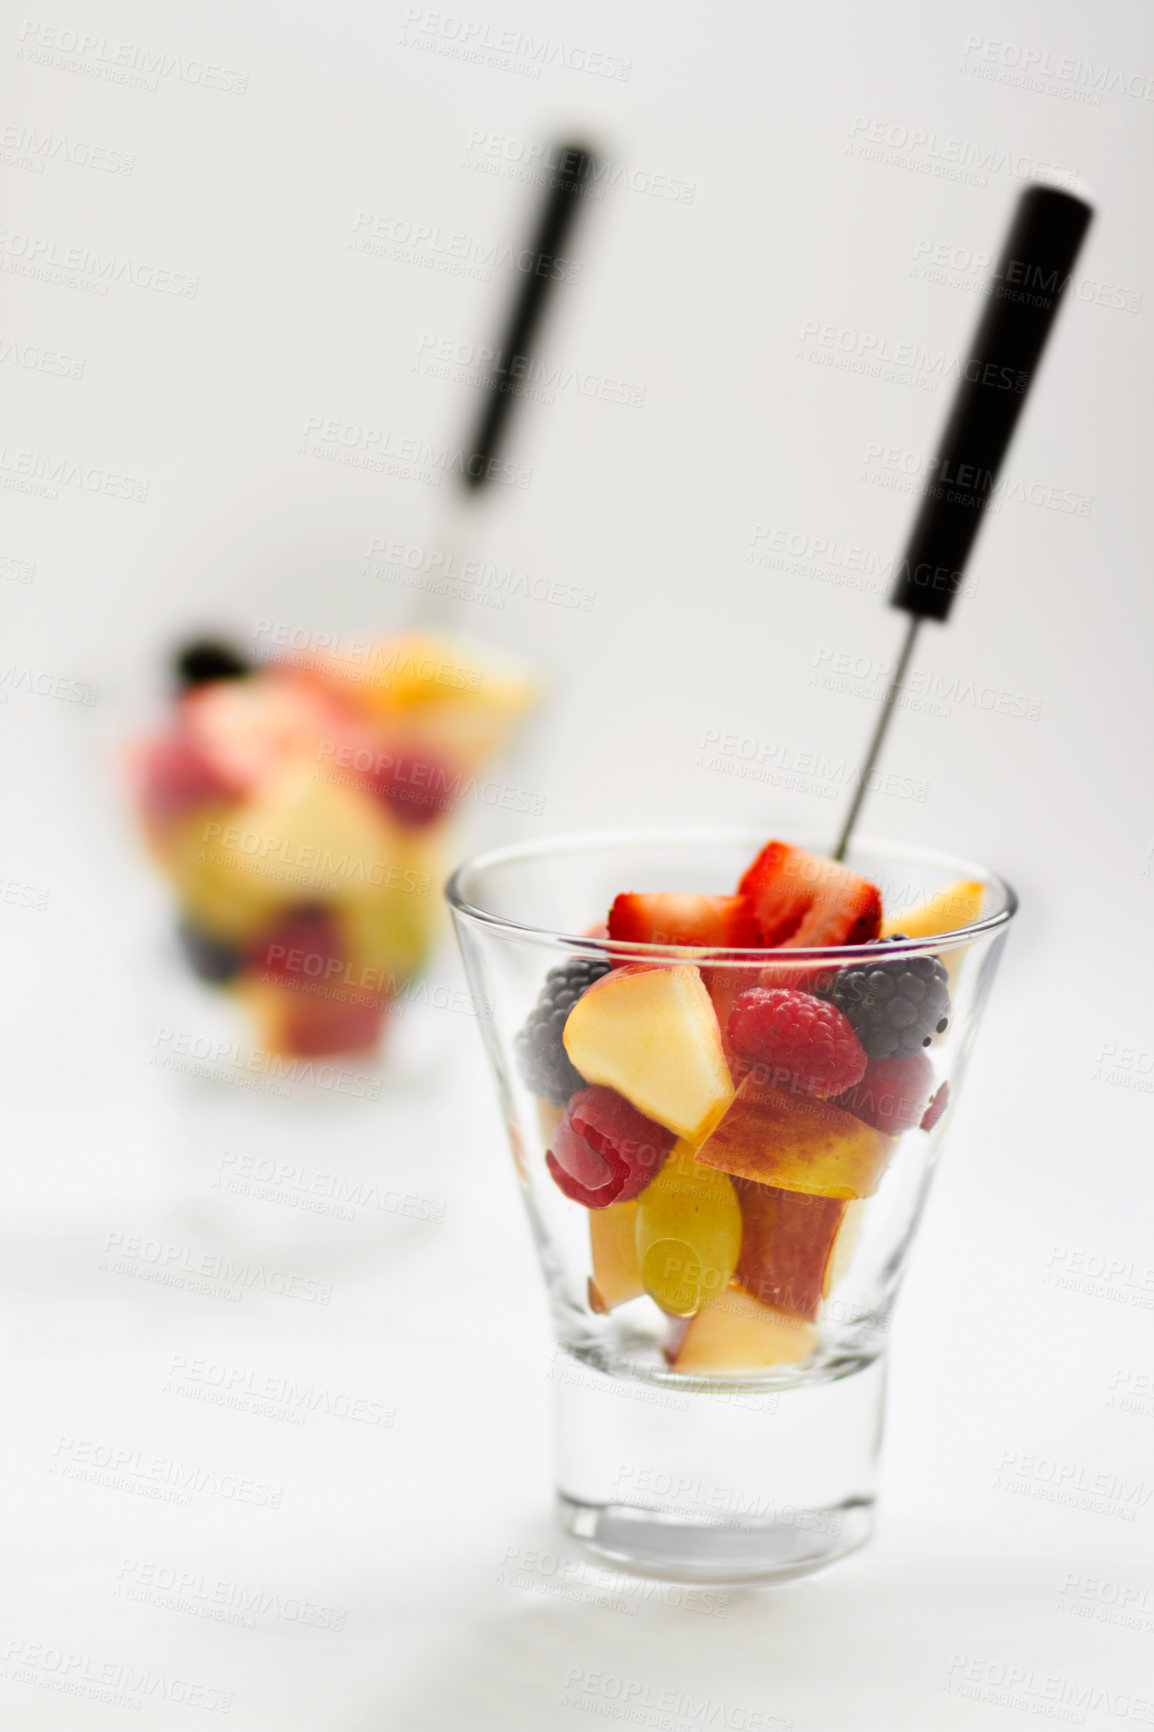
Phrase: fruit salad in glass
{"type": "Point", "coordinates": [725, 1131]}
{"type": "Point", "coordinates": [300, 810]}
{"type": "Point", "coordinates": [725, 1102]}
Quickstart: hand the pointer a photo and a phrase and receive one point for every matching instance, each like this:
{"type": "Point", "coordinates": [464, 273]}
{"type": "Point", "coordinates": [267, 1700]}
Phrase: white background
{"type": "Point", "coordinates": [722, 310]}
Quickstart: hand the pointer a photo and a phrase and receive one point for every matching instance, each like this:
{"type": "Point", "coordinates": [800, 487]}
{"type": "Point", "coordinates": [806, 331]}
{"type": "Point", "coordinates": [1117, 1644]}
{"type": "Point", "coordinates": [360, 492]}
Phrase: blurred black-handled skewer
{"type": "Point", "coordinates": [1024, 295]}
{"type": "Point", "coordinates": [569, 183]}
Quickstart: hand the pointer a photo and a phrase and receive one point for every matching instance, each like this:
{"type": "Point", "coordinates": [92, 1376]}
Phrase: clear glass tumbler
{"type": "Point", "coordinates": [722, 1329]}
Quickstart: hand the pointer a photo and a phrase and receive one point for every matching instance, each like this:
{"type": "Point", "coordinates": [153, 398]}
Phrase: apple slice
{"type": "Point", "coordinates": [801, 900]}
{"type": "Point", "coordinates": [651, 1034]}
{"type": "Point", "coordinates": [796, 1143]}
{"type": "Point", "coordinates": [721, 922]}
{"type": "Point", "coordinates": [947, 910]}
{"type": "Point", "coordinates": [616, 1276]}
{"type": "Point", "coordinates": [787, 1246]}
{"type": "Point", "coordinates": [735, 1333]}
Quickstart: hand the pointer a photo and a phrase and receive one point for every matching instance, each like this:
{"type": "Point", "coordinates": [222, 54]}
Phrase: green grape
{"type": "Point", "coordinates": [688, 1234]}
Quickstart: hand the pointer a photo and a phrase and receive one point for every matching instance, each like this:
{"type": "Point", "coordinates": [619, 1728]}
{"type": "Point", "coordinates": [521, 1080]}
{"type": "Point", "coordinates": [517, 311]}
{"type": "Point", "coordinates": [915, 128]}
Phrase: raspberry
{"type": "Point", "coordinates": [541, 1057]}
{"type": "Point", "coordinates": [416, 790]}
{"type": "Point", "coordinates": [300, 947]}
{"type": "Point", "coordinates": [893, 1093]}
{"type": "Point", "coordinates": [803, 1042]}
{"type": "Point", "coordinates": [895, 1007]}
{"type": "Point", "coordinates": [604, 1151]}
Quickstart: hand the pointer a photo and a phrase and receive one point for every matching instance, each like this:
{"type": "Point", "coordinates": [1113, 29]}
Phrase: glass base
{"type": "Point", "coordinates": [655, 1545]}
{"type": "Point", "coordinates": [727, 1485]}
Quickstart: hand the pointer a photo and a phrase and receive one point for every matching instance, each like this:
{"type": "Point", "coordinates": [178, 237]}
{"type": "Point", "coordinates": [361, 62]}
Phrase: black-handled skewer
{"type": "Point", "coordinates": [1024, 296]}
{"type": "Point", "coordinates": [569, 184]}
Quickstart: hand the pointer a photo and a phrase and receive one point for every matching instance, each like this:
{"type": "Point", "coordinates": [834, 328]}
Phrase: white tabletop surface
{"type": "Point", "coordinates": [392, 1561]}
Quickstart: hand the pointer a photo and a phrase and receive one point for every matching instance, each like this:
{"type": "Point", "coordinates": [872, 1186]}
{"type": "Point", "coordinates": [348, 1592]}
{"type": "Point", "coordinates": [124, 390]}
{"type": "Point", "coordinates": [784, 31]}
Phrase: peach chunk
{"type": "Point", "coordinates": [616, 1274]}
{"type": "Point", "coordinates": [734, 1333]}
{"type": "Point", "coordinates": [651, 1033]}
{"type": "Point", "coordinates": [796, 1143]}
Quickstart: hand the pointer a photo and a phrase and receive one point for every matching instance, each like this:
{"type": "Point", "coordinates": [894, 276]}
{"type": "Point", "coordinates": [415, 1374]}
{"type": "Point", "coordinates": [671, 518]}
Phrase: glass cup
{"type": "Point", "coordinates": [721, 1329]}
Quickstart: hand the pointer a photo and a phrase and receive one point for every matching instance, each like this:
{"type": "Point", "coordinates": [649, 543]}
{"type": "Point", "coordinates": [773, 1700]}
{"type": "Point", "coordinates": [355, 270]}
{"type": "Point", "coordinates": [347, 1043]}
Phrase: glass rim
{"type": "Point", "coordinates": [583, 841]}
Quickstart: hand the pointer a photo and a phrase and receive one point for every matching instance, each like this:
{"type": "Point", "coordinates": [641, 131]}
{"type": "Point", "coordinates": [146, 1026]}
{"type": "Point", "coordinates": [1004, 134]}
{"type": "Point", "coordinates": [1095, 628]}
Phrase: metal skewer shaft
{"type": "Point", "coordinates": [873, 752]}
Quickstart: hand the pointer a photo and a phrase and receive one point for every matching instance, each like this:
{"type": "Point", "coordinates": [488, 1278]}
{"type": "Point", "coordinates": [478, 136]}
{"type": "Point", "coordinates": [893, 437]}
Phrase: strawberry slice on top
{"type": "Point", "coordinates": [670, 917]}
{"type": "Point", "coordinates": [799, 899]}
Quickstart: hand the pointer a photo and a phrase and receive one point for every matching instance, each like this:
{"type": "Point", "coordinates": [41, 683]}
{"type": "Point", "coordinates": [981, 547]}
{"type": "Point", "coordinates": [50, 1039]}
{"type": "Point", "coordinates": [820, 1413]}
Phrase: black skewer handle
{"type": "Point", "coordinates": [1024, 296]}
{"type": "Point", "coordinates": [572, 167]}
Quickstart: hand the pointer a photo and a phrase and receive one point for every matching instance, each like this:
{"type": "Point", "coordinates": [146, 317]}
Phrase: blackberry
{"type": "Point", "coordinates": [209, 958]}
{"type": "Point", "coordinates": [205, 659]}
{"type": "Point", "coordinates": [895, 1007]}
{"type": "Point", "coordinates": [541, 1057]}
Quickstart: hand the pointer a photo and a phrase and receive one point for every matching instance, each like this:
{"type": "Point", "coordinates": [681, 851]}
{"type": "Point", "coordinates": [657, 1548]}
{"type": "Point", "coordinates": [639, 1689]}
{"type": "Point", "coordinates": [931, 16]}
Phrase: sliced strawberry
{"type": "Point", "coordinates": [721, 922]}
{"type": "Point", "coordinates": [801, 900]}
{"type": "Point", "coordinates": [173, 775]}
